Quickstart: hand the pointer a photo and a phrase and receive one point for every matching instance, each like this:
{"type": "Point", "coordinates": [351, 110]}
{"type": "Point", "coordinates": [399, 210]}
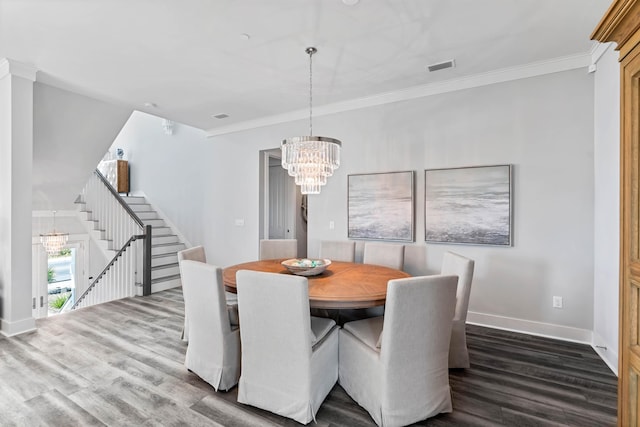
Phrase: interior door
{"type": "Point", "coordinates": [281, 203]}
{"type": "Point", "coordinates": [79, 267]}
{"type": "Point", "coordinates": [39, 275]}
{"type": "Point", "coordinates": [281, 197]}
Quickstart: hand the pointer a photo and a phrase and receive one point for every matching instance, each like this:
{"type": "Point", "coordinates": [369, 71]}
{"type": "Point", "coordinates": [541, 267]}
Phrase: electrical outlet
{"type": "Point", "coordinates": [557, 302]}
{"type": "Point", "coordinates": [332, 225]}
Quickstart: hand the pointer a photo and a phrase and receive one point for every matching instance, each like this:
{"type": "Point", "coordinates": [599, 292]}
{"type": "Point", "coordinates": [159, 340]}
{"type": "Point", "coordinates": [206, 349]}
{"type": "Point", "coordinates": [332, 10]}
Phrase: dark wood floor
{"type": "Point", "coordinates": [121, 364]}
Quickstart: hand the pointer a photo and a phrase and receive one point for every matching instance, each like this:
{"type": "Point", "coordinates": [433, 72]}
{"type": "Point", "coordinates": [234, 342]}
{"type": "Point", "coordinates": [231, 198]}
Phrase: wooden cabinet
{"type": "Point", "coordinates": [117, 173]}
{"type": "Point", "coordinates": [621, 24]}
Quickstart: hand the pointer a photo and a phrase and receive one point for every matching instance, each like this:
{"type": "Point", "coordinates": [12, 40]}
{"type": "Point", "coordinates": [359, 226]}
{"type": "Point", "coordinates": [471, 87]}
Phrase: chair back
{"type": "Point", "coordinates": [281, 371]}
{"type": "Point", "coordinates": [278, 248]}
{"type": "Point", "coordinates": [195, 253]}
{"type": "Point", "coordinates": [213, 352]}
{"type": "Point", "coordinates": [385, 254]}
{"type": "Point", "coordinates": [205, 305]}
{"type": "Point", "coordinates": [462, 267]}
{"type": "Point", "coordinates": [416, 335]}
{"type": "Point", "coordinates": [338, 250]}
{"type": "Point", "coordinates": [275, 328]}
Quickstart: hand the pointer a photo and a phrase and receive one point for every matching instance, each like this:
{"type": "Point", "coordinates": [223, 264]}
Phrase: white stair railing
{"type": "Point", "coordinates": [116, 281]}
{"type": "Point", "coordinates": [114, 217]}
{"type": "Point", "coordinates": [127, 235]}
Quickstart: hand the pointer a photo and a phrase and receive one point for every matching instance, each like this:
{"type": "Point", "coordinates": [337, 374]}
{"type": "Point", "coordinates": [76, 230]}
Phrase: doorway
{"type": "Point", "coordinates": [57, 278]}
{"type": "Point", "coordinates": [283, 208]}
{"type": "Point", "coordinates": [61, 283]}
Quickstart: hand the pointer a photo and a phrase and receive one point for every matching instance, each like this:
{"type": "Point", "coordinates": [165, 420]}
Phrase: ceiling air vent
{"type": "Point", "coordinates": [441, 65]}
{"type": "Point", "coordinates": [220, 116]}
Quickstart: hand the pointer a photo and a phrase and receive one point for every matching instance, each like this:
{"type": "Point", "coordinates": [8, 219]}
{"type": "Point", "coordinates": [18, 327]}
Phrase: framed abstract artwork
{"type": "Point", "coordinates": [471, 205]}
{"type": "Point", "coordinates": [381, 206]}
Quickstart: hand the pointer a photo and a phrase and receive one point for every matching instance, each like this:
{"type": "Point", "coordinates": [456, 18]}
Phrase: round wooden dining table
{"type": "Point", "coordinates": [341, 285]}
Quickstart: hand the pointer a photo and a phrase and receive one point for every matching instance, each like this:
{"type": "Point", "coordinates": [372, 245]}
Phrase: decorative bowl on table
{"type": "Point", "coordinates": [305, 266]}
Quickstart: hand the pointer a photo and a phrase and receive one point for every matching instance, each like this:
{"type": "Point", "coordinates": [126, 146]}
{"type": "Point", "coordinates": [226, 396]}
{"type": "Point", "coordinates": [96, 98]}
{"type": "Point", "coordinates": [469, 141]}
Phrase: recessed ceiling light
{"type": "Point", "coordinates": [245, 36]}
{"type": "Point", "coordinates": [150, 105]}
{"type": "Point", "coordinates": [350, 2]}
{"type": "Point", "coordinates": [220, 116]}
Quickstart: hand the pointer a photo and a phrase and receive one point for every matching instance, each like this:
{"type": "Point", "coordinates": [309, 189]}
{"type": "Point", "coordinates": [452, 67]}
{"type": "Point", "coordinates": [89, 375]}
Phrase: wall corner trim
{"type": "Point", "coordinates": [608, 354]}
{"type": "Point", "coordinates": [15, 68]}
{"type": "Point", "coordinates": [598, 50]}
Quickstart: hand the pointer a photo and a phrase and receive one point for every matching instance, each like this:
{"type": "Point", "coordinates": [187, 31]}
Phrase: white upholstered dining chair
{"type": "Point", "coordinates": [289, 359]}
{"type": "Point", "coordinates": [213, 352]}
{"type": "Point", "coordinates": [197, 253]}
{"type": "Point", "coordinates": [278, 248]}
{"type": "Point", "coordinates": [400, 376]}
{"type": "Point", "coordinates": [385, 254]}
{"type": "Point", "coordinates": [338, 250]}
{"type": "Point", "coordinates": [462, 267]}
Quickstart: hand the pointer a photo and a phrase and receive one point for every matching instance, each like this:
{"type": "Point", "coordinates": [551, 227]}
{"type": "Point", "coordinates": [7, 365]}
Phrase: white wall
{"type": "Point", "coordinates": [65, 222]}
{"type": "Point", "coordinates": [542, 125]}
{"type": "Point", "coordinates": [607, 202]}
{"type": "Point", "coordinates": [71, 133]}
{"type": "Point", "coordinates": [172, 170]}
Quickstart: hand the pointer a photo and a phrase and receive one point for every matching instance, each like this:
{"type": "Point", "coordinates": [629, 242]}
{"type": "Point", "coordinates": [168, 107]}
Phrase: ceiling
{"type": "Point", "coordinates": [189, 60]}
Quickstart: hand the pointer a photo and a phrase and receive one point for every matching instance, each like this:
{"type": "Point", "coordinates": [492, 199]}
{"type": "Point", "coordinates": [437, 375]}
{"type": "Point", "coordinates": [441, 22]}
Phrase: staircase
{"type": "Point", "coordinates": [165, 245]}
{"type": "Point", "coordinates": [165, 272]}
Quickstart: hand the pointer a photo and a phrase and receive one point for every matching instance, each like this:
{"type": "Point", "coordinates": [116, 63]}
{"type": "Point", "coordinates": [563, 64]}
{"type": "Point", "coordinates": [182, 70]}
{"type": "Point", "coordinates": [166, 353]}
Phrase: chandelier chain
{"type": "Point", "coordinates": [310, 159]}
{"type": "Point", "coordinates": [311, 52]}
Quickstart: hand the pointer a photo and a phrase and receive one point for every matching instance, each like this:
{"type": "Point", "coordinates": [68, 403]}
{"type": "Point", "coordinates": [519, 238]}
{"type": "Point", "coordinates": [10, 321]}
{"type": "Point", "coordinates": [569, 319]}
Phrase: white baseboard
{"type": "Point", "coordinates": [608, 354]}
{"type": "Point", "coordinates": [10, 329]}
{"type": "Point", "coordinates": [549, 330]}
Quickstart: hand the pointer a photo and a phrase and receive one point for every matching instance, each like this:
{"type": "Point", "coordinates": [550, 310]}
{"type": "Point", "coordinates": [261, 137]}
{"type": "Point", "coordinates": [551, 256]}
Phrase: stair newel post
{"type": "Point", "coordinates": [146, 283]}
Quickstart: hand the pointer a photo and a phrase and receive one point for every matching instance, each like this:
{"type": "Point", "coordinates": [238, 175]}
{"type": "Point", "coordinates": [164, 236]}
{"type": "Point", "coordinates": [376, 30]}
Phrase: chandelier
{"type": "Point", "coordinates": [310, 159]}
{"type": "Point", "coordinates": [54, 242]}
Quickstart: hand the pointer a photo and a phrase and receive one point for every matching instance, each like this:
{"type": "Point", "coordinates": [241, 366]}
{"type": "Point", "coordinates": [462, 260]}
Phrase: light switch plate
{"type": "Point", "coordinates": [557, 302]}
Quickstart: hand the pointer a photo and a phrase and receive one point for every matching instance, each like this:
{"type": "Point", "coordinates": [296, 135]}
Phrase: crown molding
{"type": "Point", "coordinates": [15, 68]}
{"type": "Point", "coordinates": [620, 24]}
{"type": "Point", "coordinates": [498, 76]}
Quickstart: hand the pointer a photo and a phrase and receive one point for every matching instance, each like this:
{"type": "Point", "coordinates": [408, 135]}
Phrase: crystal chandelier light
{"type": "Point", "coordinates": [54, 242]}
{"type": "Point", "coordinates": [310, 159]}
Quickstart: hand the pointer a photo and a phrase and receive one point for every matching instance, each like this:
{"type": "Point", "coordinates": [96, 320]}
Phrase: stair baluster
{"type": "Point", "coordinates": [115, 222]}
